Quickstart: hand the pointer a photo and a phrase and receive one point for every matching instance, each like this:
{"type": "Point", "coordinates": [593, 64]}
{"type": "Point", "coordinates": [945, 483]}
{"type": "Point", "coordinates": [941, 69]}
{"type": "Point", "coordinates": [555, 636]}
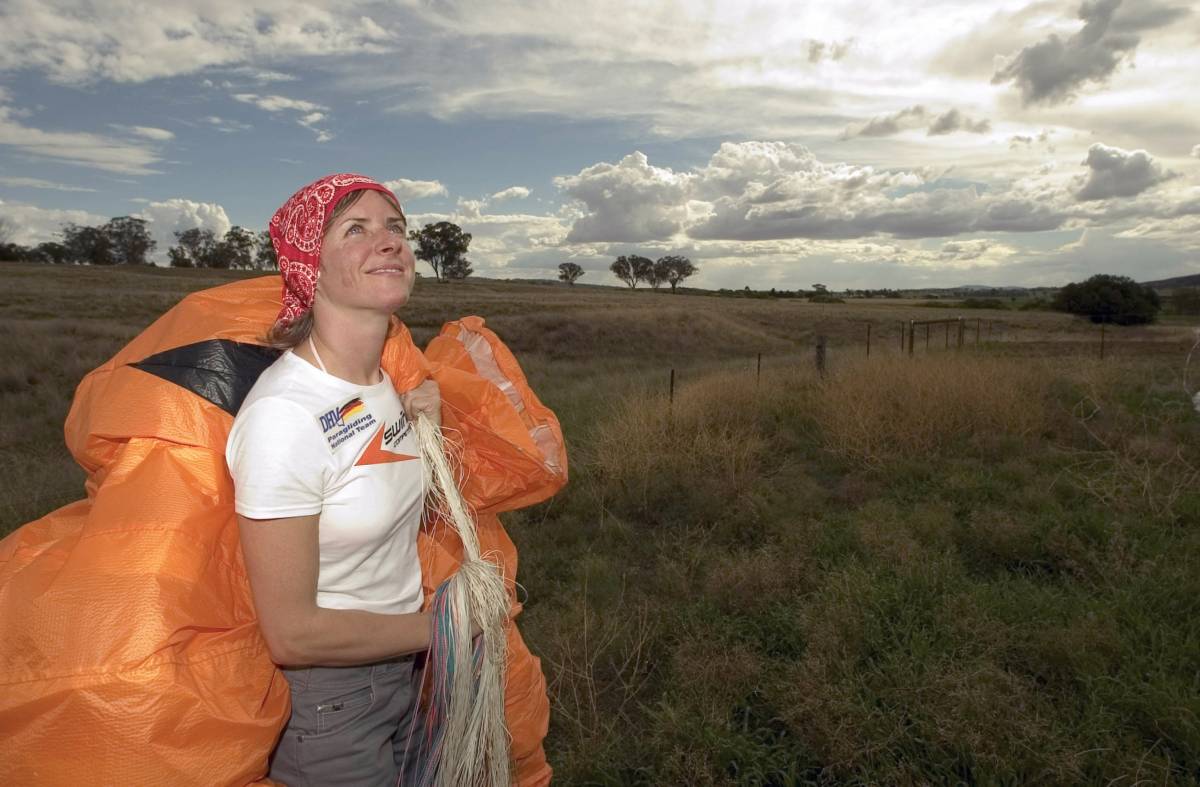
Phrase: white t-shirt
{"type": "Point", "coordinates": [306, 442]}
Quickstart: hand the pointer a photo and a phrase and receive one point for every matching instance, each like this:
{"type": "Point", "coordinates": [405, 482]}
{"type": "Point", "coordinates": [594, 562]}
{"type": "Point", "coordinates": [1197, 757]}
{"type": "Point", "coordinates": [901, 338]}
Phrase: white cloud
{"type": "Point", "coordinates": [627, 201]}
{"type": "Point", "coordinates": [32, 224]}
{"type": "Point", "coordinates": [176, 215]}
{"type": "Point", "coordinates": [277, 103]}
{"type": "Point", "coordinates": [76, 147]}
{"type": "Point", "coordinates": [512, 192]}
{"type": "Point", "coordinates": [225, 125]}
{"type": "Point", "coordinates": [1114, 172]}
{"type": "Point", "coordinates": [1196, 151]}
{"type": "Point", "coordinates": [38, 183]}
{"type": "Point", "coordinates": [147, 132]}
{"type": "Point", "coordinates": [133, 41]}
{"type": "Point", "coordinates": [407, 190]}
{"type": "Point", "coordinates": [311, 113]}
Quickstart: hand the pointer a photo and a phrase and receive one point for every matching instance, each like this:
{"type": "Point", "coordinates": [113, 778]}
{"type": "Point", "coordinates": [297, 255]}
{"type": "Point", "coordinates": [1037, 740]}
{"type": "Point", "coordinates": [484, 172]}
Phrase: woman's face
{"type": "Point", "coordinates": [366, 262]}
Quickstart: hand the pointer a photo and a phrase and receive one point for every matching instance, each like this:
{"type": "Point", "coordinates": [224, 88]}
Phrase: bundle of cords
{"type": "Point", "coordinates": [464, 741]}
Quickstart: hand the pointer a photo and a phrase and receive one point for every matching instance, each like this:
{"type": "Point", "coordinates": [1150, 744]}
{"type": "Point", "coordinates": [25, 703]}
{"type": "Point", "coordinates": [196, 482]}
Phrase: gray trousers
{"type": "Point", "coordinates": [350, 726]}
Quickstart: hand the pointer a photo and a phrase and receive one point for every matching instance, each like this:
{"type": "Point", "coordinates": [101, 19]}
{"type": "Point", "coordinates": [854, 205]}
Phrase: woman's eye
{"type": "Point", "coordinates": [354, 228]}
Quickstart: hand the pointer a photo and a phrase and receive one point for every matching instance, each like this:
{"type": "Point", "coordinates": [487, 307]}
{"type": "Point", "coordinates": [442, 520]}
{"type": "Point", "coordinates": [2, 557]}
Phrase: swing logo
{"type": "Point", "coordinates": [341, 423]}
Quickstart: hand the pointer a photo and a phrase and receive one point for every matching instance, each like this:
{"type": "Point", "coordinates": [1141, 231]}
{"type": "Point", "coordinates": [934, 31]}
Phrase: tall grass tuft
{"type": "Point", "coordinates": [890, 408]}
{"type": "Point", "coordinates": [688, 461]}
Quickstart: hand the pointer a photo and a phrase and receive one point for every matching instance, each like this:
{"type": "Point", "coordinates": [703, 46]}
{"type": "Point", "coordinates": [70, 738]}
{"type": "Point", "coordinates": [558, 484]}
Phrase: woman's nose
{"type": "Point", "coordinates": [386, 241]}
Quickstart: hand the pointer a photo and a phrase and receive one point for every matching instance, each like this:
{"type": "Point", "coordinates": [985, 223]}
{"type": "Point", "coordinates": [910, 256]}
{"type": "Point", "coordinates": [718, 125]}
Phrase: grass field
{"type": "Point", "coordinates": [973, 566]}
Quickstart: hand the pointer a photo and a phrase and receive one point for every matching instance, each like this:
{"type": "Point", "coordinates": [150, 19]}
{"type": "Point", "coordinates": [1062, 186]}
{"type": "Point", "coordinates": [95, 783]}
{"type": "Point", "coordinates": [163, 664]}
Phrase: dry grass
{"type": "Point", "coordinates": [892, 408]}
{"type": "Point", "coordinates": [966, 567]}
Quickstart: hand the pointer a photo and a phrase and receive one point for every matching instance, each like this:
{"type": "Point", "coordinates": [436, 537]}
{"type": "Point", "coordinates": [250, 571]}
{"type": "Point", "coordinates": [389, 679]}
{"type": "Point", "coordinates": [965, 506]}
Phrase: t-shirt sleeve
{"type": "Point", "coordinates": [277, 459]}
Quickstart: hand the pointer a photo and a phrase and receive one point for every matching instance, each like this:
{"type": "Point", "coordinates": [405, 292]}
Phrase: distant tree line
{"type": "Point", "coordinates": [238, 249]}
{"type": "Point", "coordinates": [123, 240]}
{"type": "Point", "coordinates": [126, 240]}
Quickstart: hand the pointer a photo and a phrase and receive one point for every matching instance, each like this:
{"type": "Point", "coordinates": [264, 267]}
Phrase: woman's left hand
{"type": "Point", "coordinates": [426, 400]}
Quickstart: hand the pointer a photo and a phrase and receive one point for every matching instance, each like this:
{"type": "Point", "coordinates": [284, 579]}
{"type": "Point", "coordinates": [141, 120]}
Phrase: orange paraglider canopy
{"type": "Point", "coordinates": [130, 651]}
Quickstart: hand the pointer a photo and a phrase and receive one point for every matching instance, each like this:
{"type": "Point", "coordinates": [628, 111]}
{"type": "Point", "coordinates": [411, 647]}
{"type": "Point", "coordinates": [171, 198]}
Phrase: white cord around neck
{"type": "Point", "coordinates": [313, 346]}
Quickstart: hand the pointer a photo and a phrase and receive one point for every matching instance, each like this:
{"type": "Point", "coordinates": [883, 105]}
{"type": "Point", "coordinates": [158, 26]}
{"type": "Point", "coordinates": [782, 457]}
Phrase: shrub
{"type": "Point", "coordinates": [1114, 299]}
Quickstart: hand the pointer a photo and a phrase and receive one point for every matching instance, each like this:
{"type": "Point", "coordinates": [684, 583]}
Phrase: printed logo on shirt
{"type": "Point", "coordinates": [384, 446]}
{"type": "Point", "coordinates": [341, 423]}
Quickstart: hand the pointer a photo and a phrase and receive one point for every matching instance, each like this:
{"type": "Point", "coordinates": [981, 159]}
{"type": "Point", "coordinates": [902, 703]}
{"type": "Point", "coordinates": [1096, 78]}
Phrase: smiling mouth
{"type": "Point", "coordinates": [386, 271]}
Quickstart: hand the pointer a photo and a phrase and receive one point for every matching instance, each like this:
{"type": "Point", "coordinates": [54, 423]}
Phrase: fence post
{"type": "Point", "coordinates": [947, 347]}
{"type": "Point", "coordinates": [902, 336]}
{"type": "Point", "coordinates": [926, 337]}
{"type": "Point", "coordinates": [758, 370]}
{"type": "Point", "coordinates": [821, 355]}
{"type": "Point", "coordinates": [912, 329]}
{"type": "Point", "coordinates": [961, 328]}
{"type": "Point", "coordinates": [868, 340]}
{"type": "Point", "coordinates": [977, 321]}
{"type": "Point", "coordinates": [671, 392]}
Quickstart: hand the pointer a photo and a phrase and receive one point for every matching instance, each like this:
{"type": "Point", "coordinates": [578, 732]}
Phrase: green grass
{"type": "Point", "coordinates": [977, 567]}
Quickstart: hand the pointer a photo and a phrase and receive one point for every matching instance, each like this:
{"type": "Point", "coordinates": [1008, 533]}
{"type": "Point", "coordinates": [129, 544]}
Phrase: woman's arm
{"type": "Point", "coordinates": [282, 562]}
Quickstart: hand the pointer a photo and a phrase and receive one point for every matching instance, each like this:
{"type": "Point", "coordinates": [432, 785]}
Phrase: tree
{"type": "Point", "coordinates": [676, 269]}
{"type": "Point", "coordinates": [631, 269]}
{"type": "Point", "coordinates": [89, 245]}
{"type": "Point", "coordinates": [458, 268]}
{"type": "Point", "coordinates": [1112, 299]}
{"type": "Point", "coordinates": [236, 249]}
{"type": "Point", "coordinates": [195, 248]}
{"type": "Point", "coordinates": [443, 246]}
{"type": "Point", "coordinates": [569, 272]}
{"type": "Point", "coordinates": [52, 252]}
{"type": "Point", "coordinates": [265, 259]}
{"type": "Point", "coordinates": [129, 239]}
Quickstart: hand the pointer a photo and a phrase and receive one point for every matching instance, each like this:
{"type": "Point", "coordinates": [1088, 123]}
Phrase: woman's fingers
{"type": "Point", "coordinates": [425, 399]}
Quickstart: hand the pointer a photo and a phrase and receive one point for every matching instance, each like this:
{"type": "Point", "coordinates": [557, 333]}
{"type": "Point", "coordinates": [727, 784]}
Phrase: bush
{"type": "Point", "coordinates": [1114, 299]}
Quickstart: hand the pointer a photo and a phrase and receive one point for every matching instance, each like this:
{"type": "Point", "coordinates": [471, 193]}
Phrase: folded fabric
{"type": "Point", "coordinates": [129, 648]}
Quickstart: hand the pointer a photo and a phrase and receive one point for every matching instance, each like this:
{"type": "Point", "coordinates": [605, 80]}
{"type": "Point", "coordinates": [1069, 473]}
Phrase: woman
{"type": "Point", "coordinates": [329, 491]}
{"type": "Point", "coordinates": [129, 624]}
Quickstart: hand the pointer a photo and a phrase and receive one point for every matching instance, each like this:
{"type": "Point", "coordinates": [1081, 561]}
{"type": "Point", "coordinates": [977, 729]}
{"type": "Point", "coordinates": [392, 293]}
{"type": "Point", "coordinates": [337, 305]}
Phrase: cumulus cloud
{"type": "Point", "coordinates": [627, 201]}
{"type": "Point", "coordinates": [32, 224]}
{"type": "Point", "coordinates": [38, 183]}
{"type": "Point", "coordinates": [1113, 172]}
{"type": "Point", "coordinates": [952, 120]}
{"type": "Point", "coordinates": [167, 217]}
{"type": "Point", "coordinates": [406, 189]}
{"type": "Point", "coordinates": [757, 191]}
{"type": "Point", "coordinates": [1196, 151]}
{"type": "Point", "coordinates": [1053, 70]}
{"type": "Point", "coordinates": [512, 192]}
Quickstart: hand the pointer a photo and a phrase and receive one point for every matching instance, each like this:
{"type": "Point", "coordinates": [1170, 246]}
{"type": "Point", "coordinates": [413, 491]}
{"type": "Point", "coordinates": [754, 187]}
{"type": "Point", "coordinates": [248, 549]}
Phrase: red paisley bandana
{"type": "Point", "coordinates": [296, 233]}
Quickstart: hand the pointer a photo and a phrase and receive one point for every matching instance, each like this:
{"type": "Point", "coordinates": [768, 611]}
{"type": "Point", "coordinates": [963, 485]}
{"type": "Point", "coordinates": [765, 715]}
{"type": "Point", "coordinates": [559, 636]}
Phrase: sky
{"type": "Point", "coordinates": [776, 144]}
